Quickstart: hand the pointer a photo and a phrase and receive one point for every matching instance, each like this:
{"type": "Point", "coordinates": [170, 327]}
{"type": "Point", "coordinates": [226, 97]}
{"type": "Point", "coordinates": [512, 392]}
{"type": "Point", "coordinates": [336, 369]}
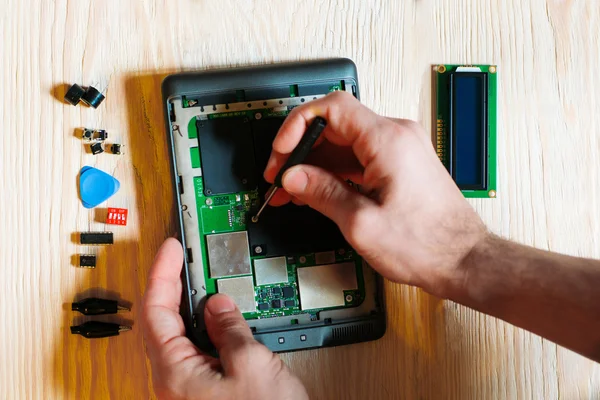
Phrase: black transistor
{"type": "Point", "coordinates": [92, 97]}
{"type": "Point", "coordinates": [115, 148]}
{"type": "Point", "coordinates": [96, 148]}
{"type": "Point", "coordinates": [100, 135]}
{"type": "Point", "coordinates": [74, 94]}
{"type": "Point", "coordinates": [263, 306]}
{"type": "Point", "coordinates": [87, 261]}
{"type": "Point", "coordinates": [96, 238]}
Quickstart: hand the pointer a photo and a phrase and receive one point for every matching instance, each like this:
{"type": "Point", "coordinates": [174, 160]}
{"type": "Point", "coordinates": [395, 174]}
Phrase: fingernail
{"type": "Point", "coordinates": [219, 304]}
{"type": "Point", "coordinates": [295, 180]}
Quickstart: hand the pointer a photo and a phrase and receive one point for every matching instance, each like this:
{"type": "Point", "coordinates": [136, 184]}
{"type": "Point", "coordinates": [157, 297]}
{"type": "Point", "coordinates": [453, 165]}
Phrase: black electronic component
{"type": "Point", "coordinates": [298, 155]}
{"type": "Point", "coordinates": [92, 97]}
{"type": "Point", "coordinates": [100, 135]}
{"type": "Point", "coordinates": [228, 164]}
{"type": "Point", "coordinates": [97, 306]}
{"type": "Point", "coordinates": [291, 259]}
{"type": "Point", "coordinates": [288, 292]}
{"type": "Point", "coordinates": [263, 306]}
{"type": "Point", "coordinates": [97, 329]}
{"type": "Point", "coordinates": [74, 94]}
{"type": "Point", "coordinates": [290, 303]}
{"type": "Point", "coordinates": [276, 303]}
{"type": "Point", "coordinates": [312, 231]}
{"type": "Point", "coordinates": [276, 291]}
{"type": "Point", "coordinates": [96, 238]}
{"type": "Point", "coordinates": [469, 129]}
{"type": "Point", "coordinates": [87, 135]}
{"type": "Point", "coordinates": [96, 148]}
{"type": "Point", "coordinates": [87, 261]}
{"type": "Point", "coordinates": [115, 148]}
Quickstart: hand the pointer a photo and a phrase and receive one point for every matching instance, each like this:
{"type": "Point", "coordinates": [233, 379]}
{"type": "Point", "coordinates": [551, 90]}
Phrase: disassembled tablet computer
{"type": "Point", "coordinates": [466, 126]}
{"type": "Point", "coordinates": [296, 280]}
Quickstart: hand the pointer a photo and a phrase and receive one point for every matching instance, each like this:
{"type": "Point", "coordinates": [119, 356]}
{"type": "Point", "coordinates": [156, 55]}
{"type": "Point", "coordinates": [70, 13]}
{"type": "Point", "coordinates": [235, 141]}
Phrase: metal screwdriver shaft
{"type": "Point", "coordinates": [297, 157]}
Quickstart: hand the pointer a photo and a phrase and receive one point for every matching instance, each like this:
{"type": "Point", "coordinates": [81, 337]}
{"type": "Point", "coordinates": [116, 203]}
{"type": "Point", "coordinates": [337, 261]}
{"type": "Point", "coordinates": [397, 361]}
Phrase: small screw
{"type": "Point", "coordinates": [208, 191]}
{"type": "Point", "coordinates": [341, 252]}
{"type": "Point", "coordinates": [184, 208]}
{"type": "Point", "coordinates": [349, 298]}
{"type": "Point", "coordinates": [208, 202]}
{"type": "Point", "coordinates": [244, 181]}
{"type": "Point", "coordinates": [258, 115]}
{"type": "Point", "coordinates": [302, 260]}
{"type": "Point", "coordinates": [258, 250]}
{"type": "Point", "coordinates": [194, 292]}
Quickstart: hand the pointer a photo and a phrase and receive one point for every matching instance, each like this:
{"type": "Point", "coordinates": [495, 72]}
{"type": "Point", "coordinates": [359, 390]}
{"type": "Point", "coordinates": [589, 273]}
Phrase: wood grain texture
{"type": "Point", "coordinates": [547, 52]}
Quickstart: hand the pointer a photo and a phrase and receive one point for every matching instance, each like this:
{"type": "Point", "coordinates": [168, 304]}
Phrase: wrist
{"type": "Point", "coordinates": [462, 282]}
{"type": "Point", "coordinates": [453, 281]}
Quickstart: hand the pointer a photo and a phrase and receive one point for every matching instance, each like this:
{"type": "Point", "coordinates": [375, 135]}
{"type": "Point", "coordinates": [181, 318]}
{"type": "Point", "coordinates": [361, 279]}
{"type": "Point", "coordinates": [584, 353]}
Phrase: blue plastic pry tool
{"type": "Point", "coordinates": [96, 186]}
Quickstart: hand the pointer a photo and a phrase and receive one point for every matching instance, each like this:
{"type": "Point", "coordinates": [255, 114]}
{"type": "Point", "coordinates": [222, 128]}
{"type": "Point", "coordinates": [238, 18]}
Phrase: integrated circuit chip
{"type": "Point", "coordinates": [228, 254]}
{"type": "Point", "coordinates": [270, 270]}
{"type": "Point", "coordinates": [323, 286]}
{"type": "Point", "coordinates": [241, 290]}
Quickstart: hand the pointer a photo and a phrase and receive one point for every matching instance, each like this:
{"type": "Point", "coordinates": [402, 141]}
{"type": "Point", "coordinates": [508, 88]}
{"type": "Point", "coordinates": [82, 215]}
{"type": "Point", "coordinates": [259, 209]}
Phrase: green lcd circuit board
{"type": "Point", "coordinates": [466, 126]}
{"type": "Point", "coordinates": [227, 213]}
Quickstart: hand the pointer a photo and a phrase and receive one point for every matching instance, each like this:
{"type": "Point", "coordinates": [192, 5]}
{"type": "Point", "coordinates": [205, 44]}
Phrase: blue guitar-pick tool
{"type": "Point", "coordinates": [96, 186]}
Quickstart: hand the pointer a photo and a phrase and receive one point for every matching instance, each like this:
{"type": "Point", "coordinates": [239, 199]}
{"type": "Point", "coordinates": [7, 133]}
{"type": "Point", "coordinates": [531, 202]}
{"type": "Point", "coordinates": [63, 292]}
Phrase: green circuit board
{"type": "Point", "coordinates": [227, 213]}
{"type": "Point", "coordinates": [446, 146]}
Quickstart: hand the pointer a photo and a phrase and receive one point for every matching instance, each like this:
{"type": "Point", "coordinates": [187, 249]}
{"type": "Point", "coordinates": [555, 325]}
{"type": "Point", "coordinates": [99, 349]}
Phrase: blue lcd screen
{"type": "Point", "coordinates": [469, 122]}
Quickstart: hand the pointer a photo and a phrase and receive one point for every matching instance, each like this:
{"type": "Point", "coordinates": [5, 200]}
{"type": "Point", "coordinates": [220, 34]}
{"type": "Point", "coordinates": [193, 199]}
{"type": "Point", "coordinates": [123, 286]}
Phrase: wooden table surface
{"type": "Point", "coordinates": [548, 57]}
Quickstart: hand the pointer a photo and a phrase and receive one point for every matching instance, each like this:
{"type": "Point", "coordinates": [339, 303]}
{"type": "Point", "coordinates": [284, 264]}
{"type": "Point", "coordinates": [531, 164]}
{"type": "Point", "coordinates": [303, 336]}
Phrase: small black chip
{"type": "Point", "coordinates": [288, 292]}
{"type": "Point", "coordinates": [101, 135]}
{"type": "Point", "coordinates": [96, 238]}
{"type": "Point", "coordinates": [87, 261]}
{"type": "Point", "coordinates": [263, 306]}
{"type": "Point", "coordinates": [276, 291]}
{"type": "Point", "coordinates": [240, 207]}
{"type": "Point", "coordinates": [291, 259]}
{"type": "Point", "coordinates": [290, 303]}
{"type": "Point", "coordinates": [115, 148]}
{"type": "Point", "coordinates": [96, 148]}
{"type": "Point", "coordinates": [276, 303]}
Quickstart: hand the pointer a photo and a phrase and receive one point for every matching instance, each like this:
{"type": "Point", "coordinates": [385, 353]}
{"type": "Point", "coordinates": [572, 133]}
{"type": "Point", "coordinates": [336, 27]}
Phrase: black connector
{"type": "Point", "coordinates": [96, 306]}
{"type": "Point", "coordinates": [97, 329]}
{"type": "Point", "coordinates": [96, 238]}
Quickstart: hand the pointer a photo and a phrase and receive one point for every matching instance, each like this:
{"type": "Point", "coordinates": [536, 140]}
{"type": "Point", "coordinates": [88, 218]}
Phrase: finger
{"type": "Point", "coordinates": [348, 121]}
{"type": "Point", "coordinates": [337, 159]}
{"type": "Point", "coordinates": [163, 327]}
{"type": "Point", "coordinates": [228, 331]}
{"type": "Point", "coordinates": [325, 193]}
{"type": "Point", "coordinates": [164, 282]}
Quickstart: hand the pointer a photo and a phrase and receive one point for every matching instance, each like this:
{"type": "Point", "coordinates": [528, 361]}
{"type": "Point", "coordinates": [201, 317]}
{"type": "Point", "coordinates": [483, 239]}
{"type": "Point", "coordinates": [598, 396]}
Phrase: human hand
{"type": "Point", "coordinates": [412, 224]}
{"type": "Point", "coordinates": [246, 369]}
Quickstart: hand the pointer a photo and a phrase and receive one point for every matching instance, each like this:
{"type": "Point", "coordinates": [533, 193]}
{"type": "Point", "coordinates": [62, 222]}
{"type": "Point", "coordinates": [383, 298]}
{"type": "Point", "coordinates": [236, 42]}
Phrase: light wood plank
{"type": "Point", "coordinates": [547, 52]}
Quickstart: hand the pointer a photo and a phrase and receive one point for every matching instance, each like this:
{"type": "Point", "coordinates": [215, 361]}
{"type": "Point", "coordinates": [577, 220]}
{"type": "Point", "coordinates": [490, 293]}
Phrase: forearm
{"type": "Point", "coordinates": [552, 295]}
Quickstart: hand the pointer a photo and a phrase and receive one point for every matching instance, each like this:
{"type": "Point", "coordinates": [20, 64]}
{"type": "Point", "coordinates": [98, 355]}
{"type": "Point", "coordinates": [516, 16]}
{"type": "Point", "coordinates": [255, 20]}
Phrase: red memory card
{"type": "Point", "coordinates": [117, 216]}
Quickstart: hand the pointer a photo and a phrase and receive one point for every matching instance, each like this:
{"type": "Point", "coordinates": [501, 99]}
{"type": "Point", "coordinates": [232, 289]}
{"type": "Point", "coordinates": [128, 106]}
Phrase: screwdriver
{"type": "Point", "coordinates": [297, 157]}
{"type": "Point", "coordinates": [96, 306]}
{"type": "Point", "coordinates": [97, 329]}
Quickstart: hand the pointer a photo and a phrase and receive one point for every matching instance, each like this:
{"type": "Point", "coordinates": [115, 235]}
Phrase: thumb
{"type": "Point", "coordinates": [228, 331]}
{"type": "Point", "coordinates": [324, 192]}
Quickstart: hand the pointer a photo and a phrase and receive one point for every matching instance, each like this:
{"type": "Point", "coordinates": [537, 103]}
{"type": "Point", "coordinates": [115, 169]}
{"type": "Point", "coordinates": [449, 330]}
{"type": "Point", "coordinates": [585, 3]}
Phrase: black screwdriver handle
{"type": "Point", "coordinates": [303, 148]}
